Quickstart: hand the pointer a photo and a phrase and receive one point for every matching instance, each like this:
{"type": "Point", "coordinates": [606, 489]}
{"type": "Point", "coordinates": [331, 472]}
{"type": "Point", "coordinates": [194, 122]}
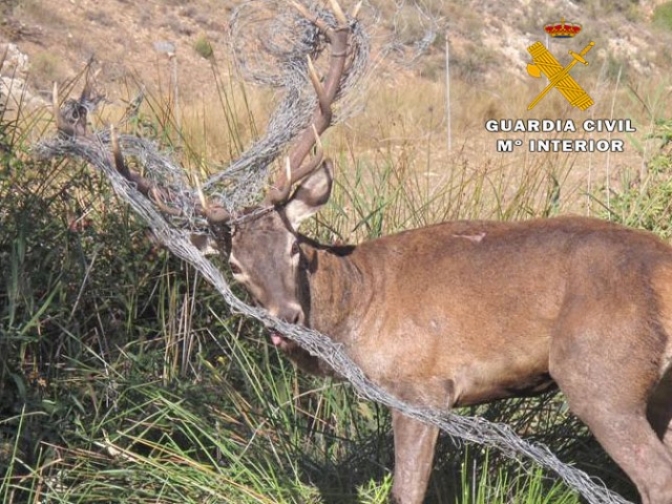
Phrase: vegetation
{"type": "Point", "coordinates": [662, 15]}
{"type": "Point", "coordinates": [203, 47]}
{"type": "Point", "coordinates": [125, 378]}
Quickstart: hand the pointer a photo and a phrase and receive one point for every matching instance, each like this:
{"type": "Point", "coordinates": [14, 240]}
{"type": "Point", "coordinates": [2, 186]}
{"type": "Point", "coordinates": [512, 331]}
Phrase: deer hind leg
{"type": "Point", "coordinates": [414, 444]}
{"type": "Point", "coordinates": [602, 362]}
{"type": "Point", "coordinates": [659, 409]}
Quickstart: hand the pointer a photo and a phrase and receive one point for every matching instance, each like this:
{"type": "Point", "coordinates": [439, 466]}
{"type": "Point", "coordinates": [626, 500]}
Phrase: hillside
{"type": "Point", "coordinates": [487, 38]}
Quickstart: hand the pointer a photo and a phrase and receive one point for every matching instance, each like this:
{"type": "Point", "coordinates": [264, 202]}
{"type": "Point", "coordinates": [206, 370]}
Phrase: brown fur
{"type": "Point", "coordinates": [467, 312]}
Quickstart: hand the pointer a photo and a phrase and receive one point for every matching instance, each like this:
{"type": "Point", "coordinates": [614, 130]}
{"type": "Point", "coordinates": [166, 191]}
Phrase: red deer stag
{"type": "Point", "coordinates": [463, 313]}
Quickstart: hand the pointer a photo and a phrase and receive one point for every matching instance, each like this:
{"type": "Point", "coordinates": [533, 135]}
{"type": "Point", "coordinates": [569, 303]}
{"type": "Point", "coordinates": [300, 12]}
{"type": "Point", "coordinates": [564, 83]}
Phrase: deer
{"type": "Point", "coordinates": [463, 312]}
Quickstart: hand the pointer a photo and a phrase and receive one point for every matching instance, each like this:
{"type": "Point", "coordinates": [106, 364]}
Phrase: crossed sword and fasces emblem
{"type": "Point", "coordinates": [558, 76]}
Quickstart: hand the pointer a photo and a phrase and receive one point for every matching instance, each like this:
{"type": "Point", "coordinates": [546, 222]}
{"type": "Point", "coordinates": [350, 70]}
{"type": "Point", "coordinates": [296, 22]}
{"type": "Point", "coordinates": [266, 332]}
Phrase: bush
{"type": "Point", "coordinates": [203, 47]}
{"type": "Point", "coordinates": [647, 203]}
{"type": "Point", "coordinates": [662, 16]}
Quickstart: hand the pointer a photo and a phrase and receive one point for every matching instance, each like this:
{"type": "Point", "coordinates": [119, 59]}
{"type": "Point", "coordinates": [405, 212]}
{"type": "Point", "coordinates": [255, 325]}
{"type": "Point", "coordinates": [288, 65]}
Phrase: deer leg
{"type": "Point", "coordinates": [626, 435]}
{"type": "Point", "coordinates": [630, 441]}
{"type": "Point", "coordinates": [414, 444]}
{"type": "Point", "coordinates": [602, 362]}
{"type": "Point", "coordinates": [659, 411]}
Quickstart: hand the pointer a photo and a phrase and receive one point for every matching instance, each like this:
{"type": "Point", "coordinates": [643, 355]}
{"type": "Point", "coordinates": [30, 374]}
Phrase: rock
{"type": "Point", "coordinates": [13, 73]}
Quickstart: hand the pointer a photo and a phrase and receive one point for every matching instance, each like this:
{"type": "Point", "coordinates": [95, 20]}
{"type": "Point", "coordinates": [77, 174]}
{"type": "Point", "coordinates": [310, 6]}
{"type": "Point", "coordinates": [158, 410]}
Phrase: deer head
{"type": "Point", "coordinates": [265, 254]}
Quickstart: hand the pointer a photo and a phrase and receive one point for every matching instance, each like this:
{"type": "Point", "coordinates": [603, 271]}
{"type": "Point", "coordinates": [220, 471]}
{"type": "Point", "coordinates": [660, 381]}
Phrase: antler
{"type": "Point", "coordinates": [71, 118]}
{"type": "Point", "coordinates": [338, 38]}
{"type": "Point", "coordinates": [159, 195]}
{"type": "Point", "coordinates": [71, 121]}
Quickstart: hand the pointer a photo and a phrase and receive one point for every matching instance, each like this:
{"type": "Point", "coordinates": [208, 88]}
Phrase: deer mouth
{"type": "Point", "coordinates": [280, 341]}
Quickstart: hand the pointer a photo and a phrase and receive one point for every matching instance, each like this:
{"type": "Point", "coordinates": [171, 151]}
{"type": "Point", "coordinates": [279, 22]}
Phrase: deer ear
{"type": "Point", "coordinates": [311, 194]}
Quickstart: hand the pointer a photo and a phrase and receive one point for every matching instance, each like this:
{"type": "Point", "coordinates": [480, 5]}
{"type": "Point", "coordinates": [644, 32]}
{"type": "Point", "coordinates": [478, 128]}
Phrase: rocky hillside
{"type": "Point", "coordinates": [49, 41]}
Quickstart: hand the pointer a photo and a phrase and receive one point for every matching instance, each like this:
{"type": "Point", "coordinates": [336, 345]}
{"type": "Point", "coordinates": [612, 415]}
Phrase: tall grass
{"type": "Point", "coordinates": [124, 378]}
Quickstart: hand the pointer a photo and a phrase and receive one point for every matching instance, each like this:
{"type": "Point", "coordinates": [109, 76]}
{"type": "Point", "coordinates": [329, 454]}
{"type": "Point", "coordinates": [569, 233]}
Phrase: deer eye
{"type": "Point", "coordinates": [295, 248]}
{"type": "Point", "coordinates": [235, 269]}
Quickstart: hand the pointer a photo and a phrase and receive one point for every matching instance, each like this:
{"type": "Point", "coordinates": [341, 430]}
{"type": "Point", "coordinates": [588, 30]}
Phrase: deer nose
{"type": "Point", "coordinates": [291, 313]}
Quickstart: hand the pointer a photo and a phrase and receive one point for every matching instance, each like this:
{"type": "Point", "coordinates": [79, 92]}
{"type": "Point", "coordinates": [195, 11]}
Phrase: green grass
{"type": "Point", "coordinates": [662, 16]}
{"type": "Point", "coordinates": [203, 47]}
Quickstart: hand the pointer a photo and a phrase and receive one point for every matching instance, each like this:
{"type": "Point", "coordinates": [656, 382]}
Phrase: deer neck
{"type": "Point", "coordinates": [335, 290]}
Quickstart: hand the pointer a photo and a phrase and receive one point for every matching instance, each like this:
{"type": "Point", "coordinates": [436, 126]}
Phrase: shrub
{"type": "Point", "coordinates": [203, 47]}
{"type": "Point", "coordinates": [662, 16]}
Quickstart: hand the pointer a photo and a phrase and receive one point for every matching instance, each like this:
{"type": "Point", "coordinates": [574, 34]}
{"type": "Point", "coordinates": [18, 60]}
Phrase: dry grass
{"type": "Point", "coordinates": [403, 128]}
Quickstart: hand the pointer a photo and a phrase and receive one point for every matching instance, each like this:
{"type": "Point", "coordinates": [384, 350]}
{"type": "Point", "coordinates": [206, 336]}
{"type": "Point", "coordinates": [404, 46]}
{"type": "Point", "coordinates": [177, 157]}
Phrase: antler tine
{"type": "Point", "coordinates": [70, 118]}
{"type": "Point", "coordinates": [321, 25]}
{"type": "Point", "coordinates": [322, 99]}
{"type": "Point", "coordinates": [214, 213]}
{"type": "Point", "coordinates": [338, 12]}
{"type": "Point", "coordinates": [289, 177]}
{"type": "Point", "coordinates": [143, 185]}
{"type": "Point", "coordinates": [338, 38]}
{"type": "Point", "coordinates": [355, 10]}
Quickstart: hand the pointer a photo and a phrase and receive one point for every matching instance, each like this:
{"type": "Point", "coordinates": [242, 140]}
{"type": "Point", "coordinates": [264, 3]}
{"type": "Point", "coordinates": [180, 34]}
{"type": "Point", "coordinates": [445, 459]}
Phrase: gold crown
{"type": "Point", "coordinates": [562, 29]}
